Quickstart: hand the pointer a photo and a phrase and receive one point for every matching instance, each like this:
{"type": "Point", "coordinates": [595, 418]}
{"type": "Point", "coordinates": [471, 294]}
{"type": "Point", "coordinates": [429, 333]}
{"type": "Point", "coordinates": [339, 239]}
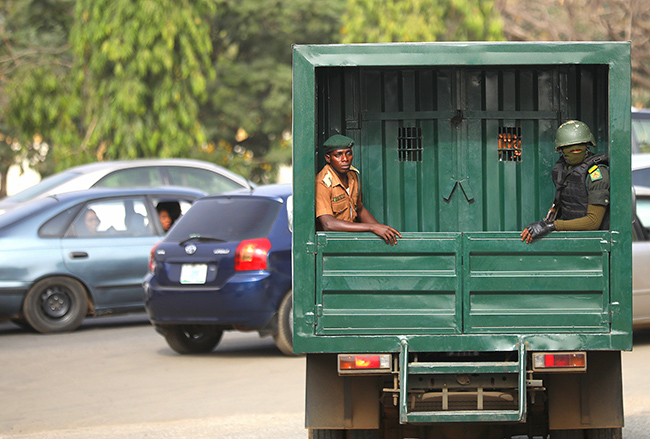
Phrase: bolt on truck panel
{"type": "Point", "coordinates": [454, 143]}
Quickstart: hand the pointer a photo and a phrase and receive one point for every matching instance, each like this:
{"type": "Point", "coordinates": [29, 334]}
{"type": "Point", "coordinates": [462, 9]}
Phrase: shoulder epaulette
{"type": "Point", "coordinates": [327, 180]}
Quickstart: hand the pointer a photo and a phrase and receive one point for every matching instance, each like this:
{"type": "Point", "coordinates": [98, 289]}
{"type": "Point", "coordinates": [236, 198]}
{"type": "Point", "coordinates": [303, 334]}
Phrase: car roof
{"type": "Point", "coordinates": [121, 192]}
{"type": "Point", "coordinates": [113, 165]}
{"type": "Point", "coordinates": [281, 190]}
{"type": "Point", "coordinates": [67, 199]}
{"type": "Point", "coordinates": [640, 161]}
{"type": "Point", "coordinates": [640, 113]}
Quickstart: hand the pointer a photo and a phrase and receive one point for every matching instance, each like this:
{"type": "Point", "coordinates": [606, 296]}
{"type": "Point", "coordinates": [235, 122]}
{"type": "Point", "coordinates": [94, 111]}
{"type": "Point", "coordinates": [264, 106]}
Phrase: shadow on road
{"type": "Point", "coordinates": [92, 323]}
{"type": "Point", "coordinates": [641, 336]}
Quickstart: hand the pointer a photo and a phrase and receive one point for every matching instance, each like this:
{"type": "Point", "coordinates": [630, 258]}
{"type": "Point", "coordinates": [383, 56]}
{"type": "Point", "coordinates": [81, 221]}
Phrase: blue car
{"type": "Point", "coordinates": [226, 265]}
{"type": "Point", "coordinates": [78, 254]}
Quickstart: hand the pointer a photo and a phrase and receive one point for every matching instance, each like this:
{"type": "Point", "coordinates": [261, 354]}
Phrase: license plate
{"type": "Point", "coordinates": [194, 273]}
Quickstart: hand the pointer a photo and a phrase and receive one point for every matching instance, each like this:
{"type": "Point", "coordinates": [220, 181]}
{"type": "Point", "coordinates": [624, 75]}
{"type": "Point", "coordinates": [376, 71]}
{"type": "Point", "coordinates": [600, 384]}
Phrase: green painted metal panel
{"type": "Point", "coordinates": [364, 288]}
{"type": "Point", "coordinates": [473, 291]}
{"type": "Point", "coordinates": [554, 286]}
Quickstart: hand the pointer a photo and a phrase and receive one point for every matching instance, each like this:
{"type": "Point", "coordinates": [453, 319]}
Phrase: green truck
{"type": "Point", "coordinates": [461, 330]}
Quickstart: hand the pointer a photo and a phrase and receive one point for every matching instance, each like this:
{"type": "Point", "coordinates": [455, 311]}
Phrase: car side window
{"type": "Point", "coordinates": [172, 208]}
{"type": "Point", "coordinates": [114, 217]}
{"type": "Point", "coordinates": [202, 179]}
{"type": "Point", "coordinates": [56, 227]}
{"type": "Point", "coordinates": [146, 176]}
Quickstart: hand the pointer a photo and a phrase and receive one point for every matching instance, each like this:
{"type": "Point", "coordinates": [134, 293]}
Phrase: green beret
{"type": "Point", "coordinates": [337, 141]}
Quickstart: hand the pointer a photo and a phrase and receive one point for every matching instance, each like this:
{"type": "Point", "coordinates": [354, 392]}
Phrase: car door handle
{"type": "Point", "coordinates": [78, 255]}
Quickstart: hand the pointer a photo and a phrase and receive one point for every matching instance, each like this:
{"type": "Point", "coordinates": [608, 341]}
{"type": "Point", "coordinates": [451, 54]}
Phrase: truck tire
{"type": "Point", "coordinates": [567, 434]}
{"type": "Point", "coordinates": [605, 433]}
{"type": "Point", "coordinates": [326, 434]}
{"type": "Point", "coordinates": [284, 337]}
{"type": "Point", "coordinates": [363, 434]}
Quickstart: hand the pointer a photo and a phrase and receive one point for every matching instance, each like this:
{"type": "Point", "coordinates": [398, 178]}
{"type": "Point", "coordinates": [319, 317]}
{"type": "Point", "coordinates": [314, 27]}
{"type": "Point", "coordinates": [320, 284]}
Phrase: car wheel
{"type": "Point", "coordinates": [192, 339]}
{"type": "Point", "coordinates": [284, 337]}
{"type": "Point", "coordinates": [56, 304]}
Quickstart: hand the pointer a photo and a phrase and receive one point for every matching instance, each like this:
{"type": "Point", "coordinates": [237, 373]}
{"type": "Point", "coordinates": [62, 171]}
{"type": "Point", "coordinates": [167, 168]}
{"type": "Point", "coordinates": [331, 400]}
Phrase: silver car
{"type": "Point", "coordinates": [196, 174]}
{"type": "Point", "coordinates": [641, 258]}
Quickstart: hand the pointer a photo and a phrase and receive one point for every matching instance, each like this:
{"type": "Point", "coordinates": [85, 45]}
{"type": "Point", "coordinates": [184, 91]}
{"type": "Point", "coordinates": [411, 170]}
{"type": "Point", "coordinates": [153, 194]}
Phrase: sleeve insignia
{"type": "Point", "coordinates": [327, 180]}
{"type": "Point", "coordinates": [595, 173]}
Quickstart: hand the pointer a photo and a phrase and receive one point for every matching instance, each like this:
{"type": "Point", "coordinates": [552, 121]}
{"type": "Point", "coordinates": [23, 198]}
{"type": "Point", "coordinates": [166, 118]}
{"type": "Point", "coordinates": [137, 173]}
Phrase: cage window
{"type": "Point", "coordinates": [509, 144]}
{"type": "Point", "coordinates": [409, 144]}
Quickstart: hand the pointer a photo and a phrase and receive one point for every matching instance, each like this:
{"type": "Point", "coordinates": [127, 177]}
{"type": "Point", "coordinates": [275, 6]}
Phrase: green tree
{"type": "Point", "coordinates": [377, 21]}
{"type": "Point", "coordinates": [248, 115]}
{"type": "Point", "coordinates": [586, 20]}
{"type": "Point", "coordinates": [142, 68]}
{"type": "Point", "coordinates": [35, 61]}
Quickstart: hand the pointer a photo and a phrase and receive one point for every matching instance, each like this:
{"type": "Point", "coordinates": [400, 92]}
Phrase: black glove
{"type": "Point", "coordinates": [540, 228]}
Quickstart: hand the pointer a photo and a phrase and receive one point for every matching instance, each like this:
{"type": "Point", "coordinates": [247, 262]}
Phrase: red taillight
{"type": "Point", "coordinates": [561, 361]}
{"type": "Point", "coordinates": [152, 260]}
{"type": "Point", "coordinates": [251, 254]}
{"type": "Point", "coordinates": [368, 363]}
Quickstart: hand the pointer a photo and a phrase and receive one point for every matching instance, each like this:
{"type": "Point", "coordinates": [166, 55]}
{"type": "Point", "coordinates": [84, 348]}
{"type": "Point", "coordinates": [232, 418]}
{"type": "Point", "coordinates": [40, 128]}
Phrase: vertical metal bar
{"type": "Point", "coordinates": [445, 398]}
{"type": "Point", "coordinates": [522, 380]}
{"type": "Point", "coordinates": [403, 380]}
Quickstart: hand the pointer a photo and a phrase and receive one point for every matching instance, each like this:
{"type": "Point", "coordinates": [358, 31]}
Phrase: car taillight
{"type": "Point", "coordinates": [251, 254]}
{"type": "Point", "coordinates": [152, 260]}
{"type": "Point", "coordinates": [364, 363]}
{"type": "Point", "coordinates": [560, 361]}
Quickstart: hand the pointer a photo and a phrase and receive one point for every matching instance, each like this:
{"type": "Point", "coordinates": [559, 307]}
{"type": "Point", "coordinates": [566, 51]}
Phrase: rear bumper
{"type": "Point", "coordinates": [247, 299]}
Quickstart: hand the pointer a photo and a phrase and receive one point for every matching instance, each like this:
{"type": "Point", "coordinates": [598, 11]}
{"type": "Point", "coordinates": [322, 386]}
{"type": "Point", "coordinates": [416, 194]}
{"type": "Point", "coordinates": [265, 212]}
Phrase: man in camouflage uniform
{"type": "Point", "coordinates": [582, 185]}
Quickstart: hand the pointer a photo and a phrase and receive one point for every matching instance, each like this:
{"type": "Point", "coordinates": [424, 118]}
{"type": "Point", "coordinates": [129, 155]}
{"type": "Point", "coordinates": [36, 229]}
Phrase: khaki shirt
{"type": "Point", "coordinates": [333, 199]}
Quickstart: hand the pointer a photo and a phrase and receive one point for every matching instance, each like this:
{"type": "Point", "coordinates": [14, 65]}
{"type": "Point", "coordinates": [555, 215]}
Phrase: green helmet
{"type": "Point", "coordinates": [573, 132]}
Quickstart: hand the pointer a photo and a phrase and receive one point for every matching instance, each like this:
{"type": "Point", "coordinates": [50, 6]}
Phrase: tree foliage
{"type": "Point", "coordinates": [142, 69]}
{"type": "Point", "coordinates": [114, 79]}
{"type": "Point", "coordinates": [248, 115]}
{"type": "Point", "coordinates": [35, 61]}
{"type": "Point", "coordinates": [586, 20]}
{"type": "Point", "coordinates": [375, 21]}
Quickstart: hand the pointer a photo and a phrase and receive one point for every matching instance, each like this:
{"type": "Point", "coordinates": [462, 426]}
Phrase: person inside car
{"type": "Point", "coordinates": [168, 213]}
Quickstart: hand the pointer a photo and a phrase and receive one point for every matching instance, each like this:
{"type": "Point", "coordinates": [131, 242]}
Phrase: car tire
{"type": "Point", "coordinates": [192, 339]}
{"type": "Point", "coordinates": [56, 304]}
{"type": "Point", "coordinates": [284, 337]}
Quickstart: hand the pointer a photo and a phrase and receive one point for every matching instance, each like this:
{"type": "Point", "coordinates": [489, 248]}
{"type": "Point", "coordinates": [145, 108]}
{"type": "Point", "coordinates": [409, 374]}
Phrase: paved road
{"type": "Point", "coordinates": [116, 378]}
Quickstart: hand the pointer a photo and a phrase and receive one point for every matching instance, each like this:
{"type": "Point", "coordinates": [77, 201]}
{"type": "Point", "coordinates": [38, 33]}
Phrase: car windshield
{"type": "Point", "coordinates": [42, 187]}
{"type": "Point", "coordinates": [227, 219]}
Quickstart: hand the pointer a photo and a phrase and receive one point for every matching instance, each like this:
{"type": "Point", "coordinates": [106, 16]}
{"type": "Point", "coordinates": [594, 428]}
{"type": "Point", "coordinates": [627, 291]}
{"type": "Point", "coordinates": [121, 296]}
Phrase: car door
{"type": "Point", "coordinates": [113, 259]}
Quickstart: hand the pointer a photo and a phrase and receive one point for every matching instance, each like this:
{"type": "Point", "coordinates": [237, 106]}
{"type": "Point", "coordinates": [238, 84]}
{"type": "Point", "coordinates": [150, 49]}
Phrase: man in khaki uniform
{"type": "Point", "coordinates": [338, 194]}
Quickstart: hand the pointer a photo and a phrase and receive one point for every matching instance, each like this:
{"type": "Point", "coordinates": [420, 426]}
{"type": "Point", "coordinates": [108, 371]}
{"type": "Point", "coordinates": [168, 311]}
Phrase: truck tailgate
{"type": "Point", "coordinates": [453, 283]}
